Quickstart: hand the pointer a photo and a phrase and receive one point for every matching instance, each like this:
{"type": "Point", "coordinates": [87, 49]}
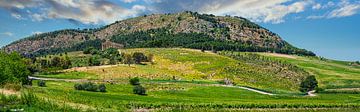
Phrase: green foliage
{"type": "Point", "coordinates": [138, 89]}
{"type": "Point", "coordinates": [164, 38]}
{"type": "Point", "coordinates": [13, 69]}
{"type": "Point", "coordinates": [41, 83]}
{"type": "Point", "coordinates": [28, 98]}
{"type": "Point", "coordinates": [89, 86]}
{"type": "Point", "coordinates": [134, 81]}
{"type": "Point", "coordinates": [138, 57]}
{"type": "Point", "coordinates": [94, 60]}
{"type": "Point", "coordinates": [309, 84]}
{"type": "Point", "coordinates": [128, 59]}
{"type": "Point", "coordinates": [77, 47]}
{"type": "Point", "coordinates": [88, 50]}
{"type": "Point", "coordinates": [102, 88]}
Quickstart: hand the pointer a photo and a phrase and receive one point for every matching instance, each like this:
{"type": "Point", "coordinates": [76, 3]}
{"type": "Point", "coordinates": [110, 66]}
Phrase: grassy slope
{"type": "Point", "coordinates": [194, 95]}
{"type": "Point", "coordinates": [187, 64]}
{"type": "Point", "coordinates": [330, 73]}
{"type": "Point", "coordinates": [173, 95]}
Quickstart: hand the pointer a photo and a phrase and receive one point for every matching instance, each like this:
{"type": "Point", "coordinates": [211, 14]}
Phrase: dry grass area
{"type": "Point", "coordinates": [280, 55]}
{"type": "Point", "coordinates": [9, 92]}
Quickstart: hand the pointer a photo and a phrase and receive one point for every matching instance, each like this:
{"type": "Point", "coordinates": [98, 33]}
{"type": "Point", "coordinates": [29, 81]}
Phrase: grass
{"type": "Point", "coordinates": [331, 74]}
{"type": "Point", "coordinates": [188, 95]}
{"type": "Point", "coordinates": [187, 80]}
{"type": "Point", "coordinates": [69, 75]}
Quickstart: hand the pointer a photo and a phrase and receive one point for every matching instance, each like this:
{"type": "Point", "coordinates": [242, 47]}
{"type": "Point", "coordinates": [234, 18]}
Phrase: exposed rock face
{"type": "Point", "coordinates": [226, 28]}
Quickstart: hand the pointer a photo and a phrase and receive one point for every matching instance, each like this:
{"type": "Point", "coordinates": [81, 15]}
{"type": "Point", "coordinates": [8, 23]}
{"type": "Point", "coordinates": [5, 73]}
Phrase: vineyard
{"type": "Point", "coordinates": [189, 80]}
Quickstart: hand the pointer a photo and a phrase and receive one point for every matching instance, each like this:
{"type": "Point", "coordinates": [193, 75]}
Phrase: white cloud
{"type": "Point", "coordinates": [342, 9]}
{"type": "Point", "coordinates": [129, 1]}
{"type": "Point", "coordinates": [346, 10]}
{"type": "Point", "coordinates": [17, 16]}
{"type": "Point", "coordinates": [36, 32]}
{"type": "Point", "coordinates": [272, 11]}
{"type": "Point", "coordinates": [317, 6]}
{"type": "Point", "coordinates": [7, 34]}
{"type": "Point", "coordinates": [84, 11]}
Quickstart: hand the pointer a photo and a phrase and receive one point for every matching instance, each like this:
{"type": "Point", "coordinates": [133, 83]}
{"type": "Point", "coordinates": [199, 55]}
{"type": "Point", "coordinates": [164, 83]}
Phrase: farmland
{"type": "Point", "coordinates": [190, 80]}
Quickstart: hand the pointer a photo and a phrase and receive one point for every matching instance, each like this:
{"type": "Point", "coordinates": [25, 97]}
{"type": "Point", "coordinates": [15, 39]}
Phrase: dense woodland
{"type": "Point", "coordinates": [159, 38]}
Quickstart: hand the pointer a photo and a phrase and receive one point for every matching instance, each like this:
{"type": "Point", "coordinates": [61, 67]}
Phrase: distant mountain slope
{"type": "Point", "coordinates": [234, 33]}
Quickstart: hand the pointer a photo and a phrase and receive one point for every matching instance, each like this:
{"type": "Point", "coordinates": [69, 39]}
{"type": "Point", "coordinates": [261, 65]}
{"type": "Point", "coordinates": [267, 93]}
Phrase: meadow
{"type": "Point", "coordinates": [191, 80]}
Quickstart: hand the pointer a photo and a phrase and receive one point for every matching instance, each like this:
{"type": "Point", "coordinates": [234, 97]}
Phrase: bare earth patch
{"type": "Point", "coordinates": [9, 92]}
{"type": "Point", "coordinates": [281, 55]}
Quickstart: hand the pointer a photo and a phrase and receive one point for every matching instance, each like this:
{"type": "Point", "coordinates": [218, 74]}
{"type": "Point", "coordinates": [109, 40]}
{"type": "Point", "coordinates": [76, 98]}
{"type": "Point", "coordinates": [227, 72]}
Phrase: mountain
{"type": "Point", "coordinates": [185, 29]}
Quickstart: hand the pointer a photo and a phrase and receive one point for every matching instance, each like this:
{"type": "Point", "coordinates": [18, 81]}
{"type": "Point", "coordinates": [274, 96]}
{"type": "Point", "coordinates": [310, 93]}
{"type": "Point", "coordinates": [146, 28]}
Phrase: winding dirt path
{"type": "Point", "coordinates": [250, 89]}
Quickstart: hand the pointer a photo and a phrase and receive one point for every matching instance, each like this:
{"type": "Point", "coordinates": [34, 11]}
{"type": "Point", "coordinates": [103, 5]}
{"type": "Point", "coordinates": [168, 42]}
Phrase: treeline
{"type": "Point", "coordinates": [164, 38]}
{"type": "Point", "coordinates": [77, 47]}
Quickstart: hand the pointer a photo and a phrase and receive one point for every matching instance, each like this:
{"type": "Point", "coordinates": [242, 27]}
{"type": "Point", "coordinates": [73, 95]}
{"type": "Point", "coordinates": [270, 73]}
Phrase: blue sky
{"type": "Point", "coordinates": [330, 28]}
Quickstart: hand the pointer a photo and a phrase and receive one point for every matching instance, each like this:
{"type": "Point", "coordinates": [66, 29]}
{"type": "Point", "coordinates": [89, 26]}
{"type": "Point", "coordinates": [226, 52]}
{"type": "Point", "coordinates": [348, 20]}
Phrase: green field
{"type": "Point", "coordinates": [189, 80]}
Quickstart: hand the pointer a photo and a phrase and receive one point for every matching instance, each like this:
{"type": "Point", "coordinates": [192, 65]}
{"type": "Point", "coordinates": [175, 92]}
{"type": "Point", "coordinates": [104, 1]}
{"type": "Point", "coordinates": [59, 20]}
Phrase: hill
{"type": "Point", "coordinates": [185, 29]}
{"type": "Point", "coordinates": [190, 64]}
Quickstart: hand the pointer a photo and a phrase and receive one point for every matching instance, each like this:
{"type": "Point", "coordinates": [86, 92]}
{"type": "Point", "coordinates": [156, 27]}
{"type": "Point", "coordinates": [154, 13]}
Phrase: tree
{"type": "Point", "coordinates": [128, 59]}
{"type": "Point", "coordinates": [94, 61]}
{"type": "Point", "coordinates": [13, 69]}
{"type": "Point", "coordinates": [134, 81]}
{"type": "Point", "coordinates": [66, 62]}
{"type": "Point", "coordinates": [56, 62]}
{"type": "Point", "coordinates": [88, 50]}
{"type": "Point", "coordinates": [138, 57]}
{"type": "Point", "coordinates": [309, 84]}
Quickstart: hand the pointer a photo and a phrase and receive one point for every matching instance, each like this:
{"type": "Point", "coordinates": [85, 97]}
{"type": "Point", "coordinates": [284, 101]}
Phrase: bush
{"type": "Point", "coordinates": [78, 86]}
{"type": "Point", "coordinates": [309, 84]}
{"type": "Point", "coordinates": [42, 83]}
{"type": "Point", "coordinates": [135, 81]}
{"type": "Point", "coordinates": [138, 89]}
{"type": "Point", "coordinates": [102, 88]}
{"type": "Point", "coordinates": [89, 86]}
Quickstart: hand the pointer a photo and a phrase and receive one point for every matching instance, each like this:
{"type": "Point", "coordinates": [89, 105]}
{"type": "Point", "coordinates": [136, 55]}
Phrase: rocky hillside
{"type": "Point", "coordinates": [227, 29]}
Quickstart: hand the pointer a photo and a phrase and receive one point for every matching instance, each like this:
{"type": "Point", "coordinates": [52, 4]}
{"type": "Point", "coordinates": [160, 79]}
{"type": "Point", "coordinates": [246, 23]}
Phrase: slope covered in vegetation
{"type": "Point", "coordinates": [186, 29]}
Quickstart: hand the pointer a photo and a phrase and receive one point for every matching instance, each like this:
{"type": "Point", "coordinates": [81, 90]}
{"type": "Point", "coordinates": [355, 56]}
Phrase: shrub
{"type": "Point", "coordinates": [90, 86]}
{"type": "Point", "coordinates": [139, 57]}
{"type": "Point", "coordinates": [138, 89]}
{"type": "Point", "coordinates": [309, 84]}
{"type": "Point", "coordinates": [78, 86]}
{"type": "Point", "coordinates": [135, 81]}
{"type": "Point", "coordinates": [102, 88]}
{"type": "Point", "coordinates": [42, 83]}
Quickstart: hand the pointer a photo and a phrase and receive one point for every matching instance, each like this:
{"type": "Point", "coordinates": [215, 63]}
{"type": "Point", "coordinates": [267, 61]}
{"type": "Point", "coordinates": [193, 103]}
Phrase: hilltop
{"type": "Point", "coordinates": [185, 29]}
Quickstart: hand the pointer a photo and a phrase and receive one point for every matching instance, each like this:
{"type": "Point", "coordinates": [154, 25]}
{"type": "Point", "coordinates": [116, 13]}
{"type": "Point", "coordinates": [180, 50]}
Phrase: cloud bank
{"type": "Point", "coordinates": [106, 11]}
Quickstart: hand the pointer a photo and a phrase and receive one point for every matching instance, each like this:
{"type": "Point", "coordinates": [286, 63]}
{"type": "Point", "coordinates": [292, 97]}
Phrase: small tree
{"type": "Point", "coordinates": [94, 61]}
{"type": "Point", "coordinates": [127, 59]}
{"type": "Point", "coordinates": [309, 84]}
{"type": "Point", "coordinates": [42, 83]}
{"type": "Point", "coordinates": [134, 81]}
{"type": "Point", "coordinates": [138, 57]}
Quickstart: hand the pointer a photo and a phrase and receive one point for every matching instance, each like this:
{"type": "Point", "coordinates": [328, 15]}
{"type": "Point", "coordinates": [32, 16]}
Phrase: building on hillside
{"type": "Point", "coordinates": [108, 44]}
